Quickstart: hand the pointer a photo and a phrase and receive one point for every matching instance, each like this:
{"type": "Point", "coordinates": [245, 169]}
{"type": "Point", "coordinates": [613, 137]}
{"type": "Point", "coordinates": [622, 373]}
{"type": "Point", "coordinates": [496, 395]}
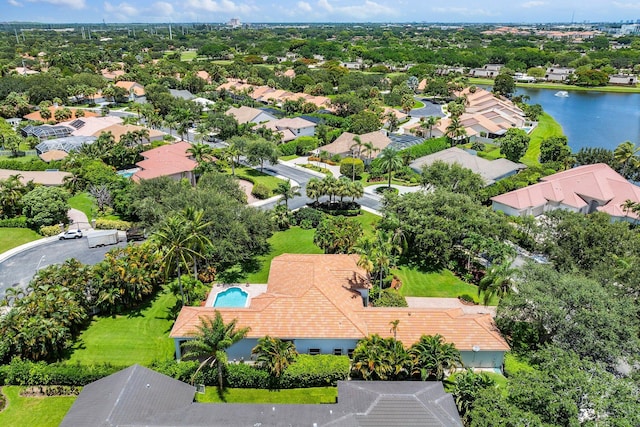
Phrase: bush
{"type": "Point", "coordinates": [429, 146]}
{"type": "Point", "coordinates": [261, 191]}
{"type": "Point", "coordinates": [467, 298]}
{"type": "Point", "coordinates": [315, 371]}
{"type": "Point", "coordinates": [307, 214]}
{"type": "Point", "coordinates": [348, 164]}
{"type": "Point", "coordinates": [288, 149]}
{"type": "Point", "coordinates": [34, 164]}
{"type": "Point", "coordinates": [385, 189]}
{"type": "Point", "coordinates": [27, 373]}
{"type": "Point", "coordinates": [390, 298]}
{"type": "Point", "coordinates": [111, 224]}
{"type": "Point", "coordinates": [20, 222]}
{"type": "Point", "coordinates": [49, 230]}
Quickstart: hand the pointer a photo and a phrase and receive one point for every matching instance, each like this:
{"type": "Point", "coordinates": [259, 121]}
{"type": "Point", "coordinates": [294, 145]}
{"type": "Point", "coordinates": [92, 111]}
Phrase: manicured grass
{"type": "Point", "coordinates": [19, 159]}
{"type": "Point", "coordinates": [83, 202]}
{"type": "Point", "coordinates": [490, 152]}
{"type": "Point", "coordinates": [14, 237]}
{"type": "Point", "coordinates": [547, 127]}
{"type": "Point", "coordinates": [33, 411]}
{"type": "Point", "coordinates": [188, 56]}
{"type": "Point", "coordinates": [291, 157]}
{"type": "Point", "coordinates": [251, 395]}
{"type": "Point", "coordinates": [292, 241]}
{"type": "Point", "coordinates": [140, 336]}
{"type": "Point", "coordinates": [299, 241]}
{"type": "Point", "coordinates": [514, 364]}
{"type": "Point", "coordinates": [257, 177]}
{"type": "Point", "coordinates": [560, 86]}
{"type": "Point", "coordinates": [317, 169]}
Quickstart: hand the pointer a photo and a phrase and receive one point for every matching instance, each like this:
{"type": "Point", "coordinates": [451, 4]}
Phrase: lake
{"type": "Point", "coordinates": [592, 119]}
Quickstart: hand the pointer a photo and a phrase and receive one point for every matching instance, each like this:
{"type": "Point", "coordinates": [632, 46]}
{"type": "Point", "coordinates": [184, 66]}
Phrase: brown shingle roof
{"type": "Point", "coordinates": [345, 141]}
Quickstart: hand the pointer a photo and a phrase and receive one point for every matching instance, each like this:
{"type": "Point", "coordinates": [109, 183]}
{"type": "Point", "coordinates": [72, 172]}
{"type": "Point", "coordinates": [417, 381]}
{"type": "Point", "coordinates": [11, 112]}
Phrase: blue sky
{"type": "Point", "coordinates": [319, 10]}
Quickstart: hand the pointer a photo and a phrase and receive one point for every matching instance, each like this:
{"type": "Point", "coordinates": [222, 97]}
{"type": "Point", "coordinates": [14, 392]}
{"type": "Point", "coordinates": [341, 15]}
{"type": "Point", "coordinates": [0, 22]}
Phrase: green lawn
{"type": "Point", "coordinates": [490, 152]}
{"type": "Point", "coordinates": [33, 411]}
{"type": "Point", "coordinates": [441, 284]}
{"type": "Point", "coordinates": [138, 337]}
{"type": "Point", "coordinates": [299, 241]}
{"type": "Point", "coordinates": [547, 127]}
{"type": "Point", "coordinates": [13, 237]}
{"type": "Point", "coordinates": [84, 203]}
{"type": "Point", "coordinates": [251, 395]}
{"type": "Point", "coordinates": [257, 177]}
{"type": "Point", "coordinates": [292, 241]}
{"type": "Point", "coordinates": [291, 157]}
{"type": "Point", "coordinates": [560, 86]}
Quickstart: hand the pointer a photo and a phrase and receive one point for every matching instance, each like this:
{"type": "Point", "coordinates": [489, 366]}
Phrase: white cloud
{"type": "Point", "coordinates": [465, 11]}
{"type": "Point", "coordinates": [220, 6]}
{"type": "Point", "coordinates": [73, 4]}
{"type": "Point", "coordinates": [162, 8]}
{"type": "Point", "coordinates": [626, 5]}
{"type": "Point", "coordinates": [365, 10]}
{"type": "Point", "coordinates": [122, 10]}
{"type": "Point", "coordinates": [531, 4]}
{"type": "Point", "coordinates": [14, 3]}
{"type": "Point", "coordinates": [304, 6]}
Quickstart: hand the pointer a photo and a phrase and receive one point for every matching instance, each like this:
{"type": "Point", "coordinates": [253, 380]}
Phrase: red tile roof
{"type": "Point", "coordinates": [314, 296]}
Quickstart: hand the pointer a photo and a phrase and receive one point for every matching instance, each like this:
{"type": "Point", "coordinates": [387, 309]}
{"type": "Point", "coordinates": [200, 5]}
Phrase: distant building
{"type": "Point", "coordinates": [488, 71]}
{"type": "Point", "coordinates": [623, 79]}
{"type": "Point", "coordinates": [234, 23]}
{"type": "Point", "coordinates": [558, 74]}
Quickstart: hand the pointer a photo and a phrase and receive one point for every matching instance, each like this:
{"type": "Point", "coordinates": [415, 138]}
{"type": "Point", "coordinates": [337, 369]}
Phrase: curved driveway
{"type": "Point", "coordinates": [19, 269]}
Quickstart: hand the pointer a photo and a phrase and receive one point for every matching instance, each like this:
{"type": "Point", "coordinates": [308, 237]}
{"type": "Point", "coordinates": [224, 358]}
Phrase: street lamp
{"type": "Point", "coordinates": [39, 262]}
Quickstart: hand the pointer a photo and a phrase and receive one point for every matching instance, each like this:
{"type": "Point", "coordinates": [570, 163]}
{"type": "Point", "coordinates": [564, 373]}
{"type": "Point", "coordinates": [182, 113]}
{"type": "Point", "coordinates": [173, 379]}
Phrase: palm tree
{"type": "Point", "coordinates": [274, 355]}
{"type": "Point", "coordinates": [498, 281]}
{"type": "Point", "coordinates": [628, 206]}
{"type": "Point", "coordinates": [465, 389]}
{"type": "Point", "coordinates": [357, 144]}
{"type": "Point", "coordinates": [625, 154]}
{"type": "Point", "coordinates": [432, 357]}
{"type": "Point", "coordinates": [171, 122]}
{"type": "Point", "coordinates": [287, 191]}
{"type": "Point", "coordinates": [429, 124]}
{"type": "Point", "coordinates": [377, 358]}
{"type": "Point", "coordinates": [314, 189]}
{"type": "Point", "coordinates": [201, 153]}
{"type": "Point", "coordinates": [455, 131]}
{"type": "Point", "coordinates": [213, 339]}
{"type": "Point", "coordinates": [390, 161]}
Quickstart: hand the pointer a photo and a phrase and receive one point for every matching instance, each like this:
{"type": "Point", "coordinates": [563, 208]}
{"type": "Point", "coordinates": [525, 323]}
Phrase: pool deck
{"type": "Point", "coordinates": [252, 289]}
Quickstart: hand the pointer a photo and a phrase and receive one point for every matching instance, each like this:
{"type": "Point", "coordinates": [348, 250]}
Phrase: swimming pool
{"type": "Point", "coordinates": [232, 297]}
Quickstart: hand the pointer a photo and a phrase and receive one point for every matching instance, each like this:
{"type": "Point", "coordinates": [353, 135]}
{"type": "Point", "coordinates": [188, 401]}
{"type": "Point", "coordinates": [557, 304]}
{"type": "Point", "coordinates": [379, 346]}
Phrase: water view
{"type": "Point", "coordinates": [592, 119]}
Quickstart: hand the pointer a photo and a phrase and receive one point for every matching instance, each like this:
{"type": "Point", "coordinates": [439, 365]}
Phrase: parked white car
{"type": "Point", "coordinates": [70, 234]}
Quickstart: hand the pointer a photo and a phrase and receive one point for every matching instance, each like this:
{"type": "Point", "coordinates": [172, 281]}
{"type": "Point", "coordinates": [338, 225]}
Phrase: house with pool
{"type": "Point", "coordinates": [320, 303]}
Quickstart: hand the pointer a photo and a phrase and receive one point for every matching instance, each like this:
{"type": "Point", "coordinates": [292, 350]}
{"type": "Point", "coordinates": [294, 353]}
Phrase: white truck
{"type": "Point", "coordinates": [102, 238]}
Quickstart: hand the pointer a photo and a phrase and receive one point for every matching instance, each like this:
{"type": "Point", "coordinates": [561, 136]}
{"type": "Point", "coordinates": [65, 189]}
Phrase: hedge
{"type": "Point", "coordinates": [34, 164]}
{"type": "Point", "coordinates": [429, 146]}
{"type": "Point", "coordinates": [49, 230]}
{"type": "Point", "coordinates": [27, 373]}
{"type": "Point", "coordinates": [348, 164]}
{"type": "Point", "coordinates": [110, 224]}
{"type": "Point", "coordinates": [19, 222]}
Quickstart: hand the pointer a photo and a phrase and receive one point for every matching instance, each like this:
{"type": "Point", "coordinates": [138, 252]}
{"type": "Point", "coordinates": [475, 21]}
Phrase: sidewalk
{"type": "Point", "coordinates": [295, 163]}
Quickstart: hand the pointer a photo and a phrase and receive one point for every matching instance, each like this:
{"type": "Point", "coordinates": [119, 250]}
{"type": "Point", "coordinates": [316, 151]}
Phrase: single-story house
{"type": "Point", "coordinates": [246, 114]}
{"type": "Point", "coordinates": [182, 94]}
{"type": "Point", "coordinates": [344, 144]}
{"type": "Point", "coordinates": [558, 74]}
{"type": "Point", "coordinates": [583, 189]}
{"type": "Point", "coordinates": [320, 303]}
{"type": "Point", "coordinates": [35, 116]}
{"type": "Point", "coordinates": [60, 147]}
{"type": "Point", "coordinates": [92, 126]}
{"type": "Point", "coordinates": [135, 89]}
{"type": "Point", "coordinates": [118, 130]}
{"type": "Point", "coordinates": [204, 103]}
{"type": "Point", "coordinates": [48, 178]}
{"type": "Point", "coordinates": [489, 70]}
{"type": "Point", "coordinates": [623, 79]}
{"type": "Point", "coordinates": [171, 160]}
{"type": "Point", "coordinates": [292, 128]}
{"type": "Point", "coordinates": [139, 397]}
{"type": "Point", "coordinates": [490, 170]}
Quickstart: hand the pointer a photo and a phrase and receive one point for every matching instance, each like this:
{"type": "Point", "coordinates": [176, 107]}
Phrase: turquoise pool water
{"type": "Point", "coordinates": [232, 297]}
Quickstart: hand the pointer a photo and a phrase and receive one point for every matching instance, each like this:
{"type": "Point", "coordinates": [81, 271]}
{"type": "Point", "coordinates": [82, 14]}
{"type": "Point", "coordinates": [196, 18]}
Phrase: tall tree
{"type": "Point", "coordinates": [390, 161]}
{"type": "Point", "coordinates": [213, 339]}
{"type": "Point", "coordinates": [287, 191]}
{"type": "Point", "coordinates": [433, 358]}
{"type": "Point", "coordinates": [626, 155]}
{"type": "Point", "coordinates": [274, 355]}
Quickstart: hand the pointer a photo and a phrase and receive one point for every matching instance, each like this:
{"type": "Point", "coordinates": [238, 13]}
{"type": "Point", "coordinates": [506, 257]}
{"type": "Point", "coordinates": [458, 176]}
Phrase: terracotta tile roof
{"type": "Point", "coordinates": [37, 117]}
{"type": "Point", "coordinates": [574, 188]}
{"type": "Point", "coordinates": [117, 130]}
{"type": "Point", "coordinates": [345, 141]}
{"type": "Point", "coordinates": [314, 296]}
{"type": "Point", "coordinates": [164, 161]}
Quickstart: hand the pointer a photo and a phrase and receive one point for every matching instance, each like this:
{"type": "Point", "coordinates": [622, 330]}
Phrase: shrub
{"type": "Point", "coordinates": [478, 146]}
{"type": "Point", "coordinates": [390, 298]}
{"type": "Point", "coordinates": [349, 164]}
{"type": "Point", "coordinates": [305, 144]}
{"type": "Point", "coordinates": [25, 372]}
{"type": "Point", "coordinates": [467, 298]}
{"type": "Point", "coordinates": [288, 149]}
{"type": "Point", "coordinates": [49, 230]}
{"type": "Point", "coordinates": [315, 371]}
{"type": "Point", "coordinates": [314, 216]}
{"type": "Point", "coordinates": [385, 189]}
{"type": "Point", "coordinates": [20, 222]}
{"type": "Point", "coordinates": [261, 191]}
{"type": "Point", "coordinates": [429, 146]}
{"type": "Point", "coordinates": [34, 164]}
{"type": "Point", "coordinates": [111, 224]}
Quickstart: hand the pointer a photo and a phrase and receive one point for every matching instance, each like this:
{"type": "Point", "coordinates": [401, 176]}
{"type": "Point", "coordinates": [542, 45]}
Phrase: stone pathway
{"type": "Point", "coordinates": [78, 219]}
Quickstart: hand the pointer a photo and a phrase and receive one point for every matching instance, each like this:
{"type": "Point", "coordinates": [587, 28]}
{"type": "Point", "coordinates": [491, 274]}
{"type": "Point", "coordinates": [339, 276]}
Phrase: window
{"type": "Point", "coordinates": [314, 351]}
{"type": "Point", "coordinates": [337, 352]}
{"type": "Point", "coordinates": [350, 353]}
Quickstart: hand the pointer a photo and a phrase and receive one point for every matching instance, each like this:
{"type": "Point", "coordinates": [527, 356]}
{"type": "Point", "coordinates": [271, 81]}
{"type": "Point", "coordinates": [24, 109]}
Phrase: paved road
{"type": "Point", "coordinates": [429, 109]}
{"type": "Point", "coordinates": [301, 176]}
{"type": "Point", "coordinates": [20, 268]}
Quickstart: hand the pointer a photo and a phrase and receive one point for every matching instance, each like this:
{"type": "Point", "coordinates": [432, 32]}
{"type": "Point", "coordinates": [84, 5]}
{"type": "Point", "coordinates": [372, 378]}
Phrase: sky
{"type": "Point", "coordinates": [214, 11]}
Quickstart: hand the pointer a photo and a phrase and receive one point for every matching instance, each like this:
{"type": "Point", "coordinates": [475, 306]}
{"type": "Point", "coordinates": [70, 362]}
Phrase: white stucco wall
{"type": "Point", "coordinates": [483, 359]}
{"type": "Point", "coordinates": [497, 206]}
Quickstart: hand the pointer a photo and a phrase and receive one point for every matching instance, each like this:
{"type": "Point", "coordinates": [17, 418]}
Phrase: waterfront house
{"type": "Point", "coordinates": [584, 189]}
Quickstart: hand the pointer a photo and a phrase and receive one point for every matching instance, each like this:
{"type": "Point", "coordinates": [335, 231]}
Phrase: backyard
{"type": "Point", "coordinates": [140, 336]}
{"type": "Point", "coordinates": [251, 395]}
{"type": "Point", "coordinates": [33, 411]}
